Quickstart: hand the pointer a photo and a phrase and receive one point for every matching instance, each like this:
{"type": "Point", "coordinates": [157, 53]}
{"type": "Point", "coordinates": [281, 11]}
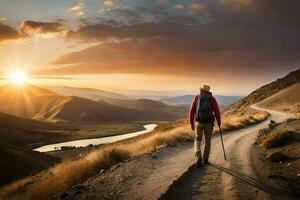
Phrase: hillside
{"type": "Point", "coordinates": [263, 93]}
{"type": "Point", "coordinates": [85, 110]}
{"type": "Point", "coordinates": [42, 104]}
{"type": "Point", "coordinates": [89, 93]}
{"type": "Point", "coordinates": [150, 106]}
{"type": "Point", "coordinates": [287, 100]}
{"type": "Point", "coordinates": [22, 101]}
{"type": "Point", "coordinates": [21, 131]}
{"type": "Point", "coordinates": [17, 162]}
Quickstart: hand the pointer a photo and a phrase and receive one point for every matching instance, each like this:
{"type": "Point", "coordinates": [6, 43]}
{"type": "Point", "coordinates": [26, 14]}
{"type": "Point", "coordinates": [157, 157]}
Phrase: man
{"type": "Point", "coordinates": [204, 109]}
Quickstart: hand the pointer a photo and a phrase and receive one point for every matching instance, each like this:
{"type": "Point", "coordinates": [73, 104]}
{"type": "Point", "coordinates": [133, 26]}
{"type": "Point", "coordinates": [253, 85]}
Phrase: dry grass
{"type": "Point", "coordinates": [243, 121]}
{"type": "Point", "coordinates": [63, 176]}
{"type": "Point", "coordinates": [279, 138]}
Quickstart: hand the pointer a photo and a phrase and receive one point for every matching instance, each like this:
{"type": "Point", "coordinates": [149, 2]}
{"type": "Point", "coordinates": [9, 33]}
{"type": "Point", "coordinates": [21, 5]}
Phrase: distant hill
{"type": "Point", "coordinates": [151, 107]}
{"type": "Point", "coordinates": [42, 104]}
{"type": "Point", "coordinates": [21, 131]}
{"type": "Point", "coordinates": [84, 110]}
{"type": "Point", "coordinates": [264, 92]}
{"type": "Point", "coordinates": [22, 101]}
{"type": "Point", "coordinates": [89, 93]}
{"type": "Point", "coordinates": [187, 99]}
{"type": "Point", "coordinates": [138, 104]}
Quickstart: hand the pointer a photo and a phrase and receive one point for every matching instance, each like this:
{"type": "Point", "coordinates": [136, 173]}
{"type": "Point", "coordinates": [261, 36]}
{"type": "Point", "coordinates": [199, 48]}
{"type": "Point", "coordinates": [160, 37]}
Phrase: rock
{"type": "Point", "coordinates": [79, 187]}
{"type": "Point", "coordinates": [161, 147]}
{"type": "Point", "coordinates": [263, 132]}
{"type": "Point", "coordinates": [154, 156]}
{"type": "Point", "coordinates": [64, 195]}
{"type": "Point", "coordinates": [78, 192]}
{"type": "Point", "coordinates": [277, 156]}
{"type": "Point", "coordinates": [102, 171]}
{"type": "Point", "coordinates": [272, 124]}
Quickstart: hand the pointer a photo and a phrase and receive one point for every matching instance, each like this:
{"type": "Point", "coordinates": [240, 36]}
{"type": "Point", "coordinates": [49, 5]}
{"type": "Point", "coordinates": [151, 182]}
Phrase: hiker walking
{"type": "Point", "coordinates": [204, 109]}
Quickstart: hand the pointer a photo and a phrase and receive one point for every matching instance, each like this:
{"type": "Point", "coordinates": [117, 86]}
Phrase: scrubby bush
{"type": "Point", "coordinates": [279, 139]}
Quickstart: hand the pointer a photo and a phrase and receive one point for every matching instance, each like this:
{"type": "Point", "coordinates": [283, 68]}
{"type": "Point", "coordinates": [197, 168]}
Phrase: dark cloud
{"type": "Point", "coordinates": [34, 27]}
{"type": "Point", "coordinates": [104, 32]}
{"type": "Point", "coordinates": [7, 33]}
{"type": "Point", "coordinates": [231, 34]}
{"type": "Point", "coordinates": [268, 11]}
{"type": "Point", "coordinates": [173, 56]}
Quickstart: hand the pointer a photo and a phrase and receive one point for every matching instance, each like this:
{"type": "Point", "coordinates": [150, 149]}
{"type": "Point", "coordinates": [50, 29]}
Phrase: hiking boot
{"type": "Point", "coordinates": [199, 162]}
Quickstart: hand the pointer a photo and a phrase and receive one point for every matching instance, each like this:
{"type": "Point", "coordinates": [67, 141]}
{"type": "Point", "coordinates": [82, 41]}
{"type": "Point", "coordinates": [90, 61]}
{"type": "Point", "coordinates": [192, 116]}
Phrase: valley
{"type": "Point", "coordinates": [240, 120]}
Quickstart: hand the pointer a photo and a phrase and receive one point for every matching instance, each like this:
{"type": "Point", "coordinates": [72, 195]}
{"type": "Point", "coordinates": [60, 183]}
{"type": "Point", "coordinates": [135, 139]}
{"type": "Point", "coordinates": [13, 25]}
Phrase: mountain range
{"type": "Point", "coordinates": [187, 99]}
{"type": "Point", "coordinates": [33, 102]}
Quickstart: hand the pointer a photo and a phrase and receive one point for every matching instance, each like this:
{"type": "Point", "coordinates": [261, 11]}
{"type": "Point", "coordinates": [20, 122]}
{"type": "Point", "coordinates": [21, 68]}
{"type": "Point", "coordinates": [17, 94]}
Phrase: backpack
{"type": "Point", "coordinates": [204, 109]}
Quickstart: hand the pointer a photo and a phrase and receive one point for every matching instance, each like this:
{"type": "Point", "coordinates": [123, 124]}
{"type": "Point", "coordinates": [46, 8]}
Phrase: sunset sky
{"type": "Point", "coordinates": [161, 45]}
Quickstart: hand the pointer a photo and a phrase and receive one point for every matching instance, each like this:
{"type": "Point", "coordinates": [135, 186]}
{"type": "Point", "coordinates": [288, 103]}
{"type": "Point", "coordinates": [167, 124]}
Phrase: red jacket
{"type": "Point", "coordinates": [215, 110]}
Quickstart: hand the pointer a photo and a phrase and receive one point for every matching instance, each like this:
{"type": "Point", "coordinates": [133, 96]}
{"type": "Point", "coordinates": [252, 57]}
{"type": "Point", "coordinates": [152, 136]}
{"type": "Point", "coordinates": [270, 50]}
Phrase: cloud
{"type": "Point", "coordinates": [105, 32]}
{"type": "Point", "coordinates": [162, 2]}
{"type": "Point", "coordinates": [172, 57]}
{"type": "Point", "coordinates": [109, 3]}
{"type": "Point", "coordinates": [179, 6]}
{"type": "Point", "coordinates": [8, 33]}
{"type": "Point", "coordinates": [2, 19]}
{"type": "Point", "coordinates": [197, 6]}
{"type": "Point", "coordinates": [78, 9]}
{"type": "Point", "coordinates": [255, 37]}
{"type": "Point", "coordinates": [43, 28]}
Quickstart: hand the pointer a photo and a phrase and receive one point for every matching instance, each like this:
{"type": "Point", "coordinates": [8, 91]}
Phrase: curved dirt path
{"type": "Point", "coordinates": [152, 176]}
{"type": "Point", "coordinates": [236, 178]}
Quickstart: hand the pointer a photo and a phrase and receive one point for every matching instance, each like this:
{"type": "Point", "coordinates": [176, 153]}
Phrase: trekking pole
{"type": "Point", "coordinates": [222, 143]}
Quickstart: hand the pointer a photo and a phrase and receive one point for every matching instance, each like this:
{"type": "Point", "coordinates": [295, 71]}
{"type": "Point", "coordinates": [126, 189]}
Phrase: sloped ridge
{"type": "Point", "coordinates": [287, 100]}
{"type": "Point", "coordinates": [80, 109]}
{"type": "Point", "coordinates": [265, 92]}
{"type": "Point", "coordinates": [22, 101]}
{"type": "Point", "coordinates": [42, 104]}
{"type": "Point", "coordinates": [138, 104]}
{"type": "Point", "coordinates": [90, 93]}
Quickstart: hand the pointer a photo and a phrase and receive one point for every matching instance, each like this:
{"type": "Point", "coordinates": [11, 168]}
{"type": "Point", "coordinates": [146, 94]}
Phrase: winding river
{"type": "Point", "coordinates": [96, 141]}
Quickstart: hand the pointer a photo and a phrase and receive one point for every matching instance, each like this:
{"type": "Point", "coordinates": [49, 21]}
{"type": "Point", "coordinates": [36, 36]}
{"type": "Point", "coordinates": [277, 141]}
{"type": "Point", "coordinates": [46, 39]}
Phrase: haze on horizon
{"type": "Point", "coordinates": [158, 45]}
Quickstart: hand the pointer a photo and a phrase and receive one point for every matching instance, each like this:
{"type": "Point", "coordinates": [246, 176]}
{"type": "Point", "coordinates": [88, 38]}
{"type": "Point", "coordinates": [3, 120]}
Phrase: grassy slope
{"type": "Point", "coordinates": [21, 131]}
{"type": "Point", "coordinates": [285, 138]}
{"type": "Point", "coordinates": [17, 162]}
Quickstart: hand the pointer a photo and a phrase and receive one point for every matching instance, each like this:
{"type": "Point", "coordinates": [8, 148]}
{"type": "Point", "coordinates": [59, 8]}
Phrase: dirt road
{"type": "Point", "coordinates": [170, 173]}
{"type": "Point", "coordinates": [237, 178]}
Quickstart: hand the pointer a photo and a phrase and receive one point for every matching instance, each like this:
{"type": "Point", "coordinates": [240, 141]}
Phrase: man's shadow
{"type": "Point", "coordinates": [184, 187]}
{"type": "Point", "coordinates": [187, 185]}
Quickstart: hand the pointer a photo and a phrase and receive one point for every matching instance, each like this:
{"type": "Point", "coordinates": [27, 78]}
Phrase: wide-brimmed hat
{"type": "Point", "coordinates": [205, 88]}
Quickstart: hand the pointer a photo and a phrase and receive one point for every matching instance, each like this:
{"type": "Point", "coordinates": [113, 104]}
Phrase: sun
{"type": "Point", "coordinates": [18, 77]}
